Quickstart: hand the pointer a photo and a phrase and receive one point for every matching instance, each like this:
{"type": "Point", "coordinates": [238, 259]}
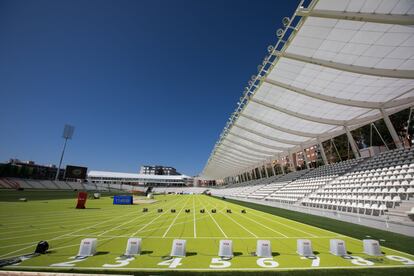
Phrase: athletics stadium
{"type": "Point", "coordinates": [289, 187]}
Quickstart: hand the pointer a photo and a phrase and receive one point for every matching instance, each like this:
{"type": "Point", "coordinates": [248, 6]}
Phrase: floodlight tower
{"type": "Point", "coordinates": [67, 134]}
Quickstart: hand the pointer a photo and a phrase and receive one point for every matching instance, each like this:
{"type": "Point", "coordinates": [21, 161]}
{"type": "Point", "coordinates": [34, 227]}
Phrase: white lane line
{"type": "Point", "coordinates": [218, 226]}
{"type": "Point", "coordinates": [275, 221]}
{"type": "Point", "coordinates": [194, 211]}
{"type": "Point", "coordinates": [56, 226]}
{"type": "Point", "coordinates": [231, 237]}
{"type": "Point", "coordinates": [47, 268]}
{"type": "Point", "coordinates": [51, 220]}
{"type": "Point", "coordinates": [256, 222]}
{"type": "Point", "coordinates": [250, 232]}
{"type": "Point", "coordinates": [117, 226]}
{"type": "Point", "coordinates": [165, 226]}
{"type": "Point", "coordinates": [58, 237]}
{"type": "Point", "coordinates": [168, 229]}
{"type": "Point", "coordinates": [68, 234]}
{"type": "Point", "coordinates": [149, 223]}
{"type": "Point", "coordinates": [271, 229]}
{"type": "Point", "coordinates": [27, 243]}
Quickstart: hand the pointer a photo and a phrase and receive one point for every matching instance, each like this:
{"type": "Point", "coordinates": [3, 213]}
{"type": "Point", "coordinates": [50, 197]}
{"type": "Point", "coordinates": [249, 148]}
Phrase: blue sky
{"type": "Point", "coordinates": [144, 82]}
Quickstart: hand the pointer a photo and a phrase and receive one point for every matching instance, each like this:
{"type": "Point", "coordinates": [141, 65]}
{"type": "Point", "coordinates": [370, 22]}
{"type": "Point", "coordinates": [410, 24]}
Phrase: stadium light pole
{"type": "Point", "coordinates": [67, 134]}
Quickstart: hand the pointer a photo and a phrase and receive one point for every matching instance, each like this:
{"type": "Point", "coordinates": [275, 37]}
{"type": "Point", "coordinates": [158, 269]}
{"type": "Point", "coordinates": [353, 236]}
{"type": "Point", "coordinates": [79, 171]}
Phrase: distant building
{"type": "Point", "coordinates": [158, 170]}
{"type": "Point", "coordinates": [29, 169]}
{"type": "Point", "coordinates": [312, 154]}
{"type": "Point", "coordinates": [118, 178]}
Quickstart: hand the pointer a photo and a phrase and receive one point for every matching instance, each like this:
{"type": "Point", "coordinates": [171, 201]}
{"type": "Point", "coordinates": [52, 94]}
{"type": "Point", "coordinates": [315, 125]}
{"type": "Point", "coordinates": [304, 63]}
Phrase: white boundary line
{"type": "Point", "coordinates": [231, 237]}
{"type": "Point", "coordinates": [195, 226]}
{"type": "Point", "coordinates": [209, 269]}
{"type": "Point", "coordinates": [149, 223]}
{"type": "Point", "coordinates": [329, 231]}
{"type": "Point", "coordinates": [271, 229]}
{"type": "Point", "coordinates": [250, 232]}
{"type": "Point", "coordinates": [278, 222]}
{"type": "Point", "coordinates": [53, 221]}
{"type": "Point", "coordinates": [172, 222]}
{"type": "Point", "coordinates": [58, 237]}
{"type": "Point", "coordinates": [214, 220]}
{"type": "Point", "coordinates": [68, 234]}
{"type": "Point", "coordinates": [119, 225]}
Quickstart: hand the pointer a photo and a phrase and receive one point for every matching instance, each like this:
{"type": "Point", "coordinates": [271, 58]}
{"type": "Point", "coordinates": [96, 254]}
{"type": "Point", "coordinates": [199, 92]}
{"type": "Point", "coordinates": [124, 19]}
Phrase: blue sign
{"type": "Point", "coordinates": [123, 200]}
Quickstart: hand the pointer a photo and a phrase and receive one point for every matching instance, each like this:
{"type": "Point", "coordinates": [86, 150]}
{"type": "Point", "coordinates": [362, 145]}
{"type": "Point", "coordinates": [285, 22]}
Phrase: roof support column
{"type": "Point", "coordinates": [281, 165]}
{"type": "Point", "coordinates": [291, 161]}
{"type": "Point", "coordinates": [260, 172]}
{"type": "Point", "coordinates": [254, 174]}
{"type": "Point", "coordinates": [391, 129]}
{"type": "Point", "coordinates": [305, 157]}
{"type": "Point", "coordinates": [266, 172]}
{"type": "Point", "coordinates": [351, 141]}
{"type": "Point", "coordinates": [322, 151]}
{"type": "Point", "coordinates": [273, 168]}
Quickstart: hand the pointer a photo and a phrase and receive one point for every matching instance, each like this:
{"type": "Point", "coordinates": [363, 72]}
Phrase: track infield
{"type": "Point", "coordinates": [23, 224]}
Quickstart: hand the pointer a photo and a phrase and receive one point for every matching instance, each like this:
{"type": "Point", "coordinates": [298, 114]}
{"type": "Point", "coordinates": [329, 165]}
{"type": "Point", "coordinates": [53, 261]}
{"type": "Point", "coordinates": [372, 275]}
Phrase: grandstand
{"type": "Point", "coordinates": [337, 67]}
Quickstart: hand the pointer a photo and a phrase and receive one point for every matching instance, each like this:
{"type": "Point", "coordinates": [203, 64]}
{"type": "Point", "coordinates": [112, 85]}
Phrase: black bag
{"type": "Point", "coordinates": [42, 247]}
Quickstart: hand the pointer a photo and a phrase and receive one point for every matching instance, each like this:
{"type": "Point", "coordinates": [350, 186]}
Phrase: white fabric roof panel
{"type": "Point", "coordinates": [347, 60]}
{"type": "Point", "coordinates": [261, 139]}
{"type": "Point", "coordinates": [270, 131]}
{"type": "Point", "coordinates": [308, 106]}
{"type": "Point", "coordinates": [336, 83]}
{"type": "Point", "coordinates": [357, 43]}
{"type": "Point", "coordinates": [266, 114]}
{"type": "Point", "coordinates": [368, 6]}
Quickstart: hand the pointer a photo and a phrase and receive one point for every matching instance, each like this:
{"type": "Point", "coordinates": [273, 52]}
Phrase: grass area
{"type": "Point", "coordinates": [23, 224]}
{"type": "Point", "coordinates": [392, 240]}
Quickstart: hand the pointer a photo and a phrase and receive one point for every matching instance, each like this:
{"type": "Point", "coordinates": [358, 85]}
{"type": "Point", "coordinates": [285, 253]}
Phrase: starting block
{"type": "Point", "coordinates": [243, 211]}
{"type": "Point", "coordinates": [144, 210]}
{"type": "Point", "coordinates": [172, 210]}
{"type": "Point", "coordinates": [264, 249]}
{"type": "Point", "coordinates": [187, 210]}
{"type": "Point", "coordinates": [372, 247]}
{"type": "Point", "coordinates": [87, 248]}
{"type": "Point", "coordinates": [160, 210]}
{"type": "Point", "coordinates": [228, 211]}
{"type": "Point", "coordinates": [178, 248]}
{"type": "Point", "coordinates": [226, 249]}
{"type": "Point", "coordinates": [337, 247]}
{"type": "Point", "coordinates": [213, 211]}
{"type": "Point", "coordinates": [202, 211]}
{"type": "Point", "coordinates": [304, 248]}
{"type": "Point", "coordinates": [133, 247]}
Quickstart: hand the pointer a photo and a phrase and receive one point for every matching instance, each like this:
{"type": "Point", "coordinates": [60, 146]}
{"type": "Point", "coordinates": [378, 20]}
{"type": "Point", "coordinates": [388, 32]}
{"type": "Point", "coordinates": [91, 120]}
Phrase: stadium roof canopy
{"type": "Point", "coordinates": [337, 64]}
